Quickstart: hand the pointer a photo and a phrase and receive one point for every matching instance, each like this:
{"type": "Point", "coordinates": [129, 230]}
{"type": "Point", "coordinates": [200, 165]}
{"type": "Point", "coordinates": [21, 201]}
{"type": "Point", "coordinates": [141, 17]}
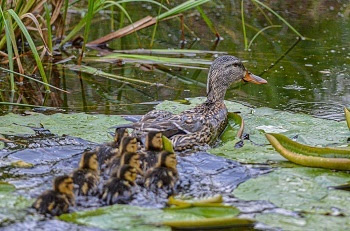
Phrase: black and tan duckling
{"type": "Point", "coordinates": [107, 150]}
{"type": "Point", "coordinates": [56, 201]}
{"type": "Point", "coordinates": [164, 175]}
{"type": "Point", "coordinates": [119, 189]}
{"type": "Point", "coordinates": [153, 146]}
{"type": "Point", "coordinates": [202, 124]}
{"type": "Point", "coordinates": [128, 144]}
{"type": "Point", "coordinates": [87, 176]}
{"type": "Point", "coordinates": [129, 158]}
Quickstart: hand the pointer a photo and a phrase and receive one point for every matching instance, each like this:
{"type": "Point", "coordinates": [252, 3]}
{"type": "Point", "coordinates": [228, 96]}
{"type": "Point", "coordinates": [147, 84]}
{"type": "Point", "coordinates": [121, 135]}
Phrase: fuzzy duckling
{"type": "Point", "coordinates": [119, 189]}
{"type": "Point", "coordinates": [129, 158]}
{"type": "Point", "coordinates": [107, 150]}
{"type": "Point", "coordinates": [164, 175]}
{"type": "Point", "coordinates": [56, 201]}
{"type": "Point", "coordinates": [127, 144]}
{"type": "Point", "coordinates": [153, 145]}
{"type": "Point", "coordinates": [87, 176]}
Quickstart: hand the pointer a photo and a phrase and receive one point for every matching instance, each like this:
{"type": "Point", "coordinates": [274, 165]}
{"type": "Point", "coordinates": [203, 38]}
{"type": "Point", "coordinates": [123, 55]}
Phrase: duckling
{"type": "Point", "coordinates": [56, 201]}
{"type": "Point", "coordinates": [129, 158]}
{"type": "Point", "coordinates": [127, 144]}
{"type": "Point", "coordinates": [153, 145]}
{"type": "Point", "coordinates": [107, 150]}
{"type": "Point", "coordinates": [87, 174]}
{"type": "Point", "coordinates": [164, 175]}
{"type": "Point", "coordinates": [119, 189]}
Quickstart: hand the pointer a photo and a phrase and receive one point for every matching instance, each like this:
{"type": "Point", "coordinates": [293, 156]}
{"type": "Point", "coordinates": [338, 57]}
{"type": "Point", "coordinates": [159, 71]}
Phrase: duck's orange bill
{"type": "Point", "coordinates": [249, 77]}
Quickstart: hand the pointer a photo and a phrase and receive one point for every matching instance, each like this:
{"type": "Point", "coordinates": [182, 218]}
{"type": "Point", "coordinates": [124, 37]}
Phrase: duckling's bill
{"type": "Point", "coordinates": [249, 77]}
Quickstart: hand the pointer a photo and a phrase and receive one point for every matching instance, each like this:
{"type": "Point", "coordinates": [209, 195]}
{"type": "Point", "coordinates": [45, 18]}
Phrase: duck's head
{"type": "Point", "coordinates": [63, 184]}
{"type": "Point", "coordinates": [167, 159]}
{"type": "Point", "coordinates": [128, 173]}
{"type": "Point", "coordinates": [120, 133]}
{"type": "Point", "coordinates": [154, 141]}
{"type": "Point", "coordinates": [89, 161]}
{"type": "Point", "coordinates": [224, 71]}
{"type": "Point", "coordinates": [128, 144]}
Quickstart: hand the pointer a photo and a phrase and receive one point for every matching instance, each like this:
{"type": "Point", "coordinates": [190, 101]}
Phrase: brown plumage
{"type": "Point", "coordinates": [153, 146]}
{"type": "Point", "coordinates": [87, 176]}
{"type": "Point", "coordinates": [129, 158]}
{"type": "Point", "coordinates": [202, 124]}
{"type": "Point", "coordinates": [119, 189]}
{"type": "Point", "coordinates": [164, 175]}
{"type": "Point", "coordinates": [128, 144]}
{"type": "Point", "coordinates": [107, 150]}
{"type": "Point", "coordinates": [56, 201]}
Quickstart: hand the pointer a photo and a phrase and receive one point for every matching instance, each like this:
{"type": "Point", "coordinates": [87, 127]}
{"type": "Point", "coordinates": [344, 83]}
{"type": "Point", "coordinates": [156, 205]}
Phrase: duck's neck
{"type": "Point", "coordinates": [215, 93]}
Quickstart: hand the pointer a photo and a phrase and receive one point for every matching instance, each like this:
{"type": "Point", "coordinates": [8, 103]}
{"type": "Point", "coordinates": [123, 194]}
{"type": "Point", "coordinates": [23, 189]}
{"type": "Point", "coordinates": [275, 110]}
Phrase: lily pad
{"type": "Point", "coordinates": [303, 190]}
{"type": "Point", "coordinates": [11, 206]}
{"type": "Point", "coordinates": [89, 127]}
{"type": "Point", "coordinates": [332, 158]}
{"type": "Point", "coordinates": [123, 217]}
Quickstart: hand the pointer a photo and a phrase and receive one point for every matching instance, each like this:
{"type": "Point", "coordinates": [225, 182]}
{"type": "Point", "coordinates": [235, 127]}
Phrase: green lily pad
{"type": "Point", "coordinates": [90, 127]}
{"type": "Point", "coordinates": [332, 158]}
{"type": "Point", "coordinates": [303, 190]}
{"type": "Point", "coordinates": [11, 206]}
{"type": "Point", "coordinates": [124, 217]}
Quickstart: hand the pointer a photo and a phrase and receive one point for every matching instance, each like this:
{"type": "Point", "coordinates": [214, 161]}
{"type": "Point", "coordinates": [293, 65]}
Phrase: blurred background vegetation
{"type": "Point", "coordinates": [123, 57]}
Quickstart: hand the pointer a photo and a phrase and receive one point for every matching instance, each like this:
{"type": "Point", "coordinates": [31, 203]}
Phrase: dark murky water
{"type": "Point", "coordinates": [313, 77]}
{"type": "Point", "coordinates": [201, 175]}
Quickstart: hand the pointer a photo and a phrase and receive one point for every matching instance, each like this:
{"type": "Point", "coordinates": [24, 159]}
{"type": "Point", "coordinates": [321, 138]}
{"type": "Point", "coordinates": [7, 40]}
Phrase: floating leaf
{"type": "Point", "coordinates": [310, 156]}
{"type": "Point", "coordinates": [167, 144]}
{"type": "Point", "coordinates": [347, 116]}
{"type": "Point", "coordinates": [212, 223]}
{"type": "Point", "coordinates": [21, 164]}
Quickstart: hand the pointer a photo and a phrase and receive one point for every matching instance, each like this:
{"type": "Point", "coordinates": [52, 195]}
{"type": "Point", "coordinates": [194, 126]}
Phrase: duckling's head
{"type": "Point", "coordinates": [130, 158]}
{"type": "Point", "coordinates": [63, 184]}
{"type": "Point", "coordinates": [89, 161]}
{"type": "Point", "coordinates": [224, 71]}
{"type": "Point", "coordinates": [120, 133]}
{"type": "Point", "coordinates": [128, 144]}
{"type": "Point", "coordinates": [128, 173]}
{"type": "Point", "coordinates": [167, 159]}
{"type": "Point", "coordinates": [154, 141]}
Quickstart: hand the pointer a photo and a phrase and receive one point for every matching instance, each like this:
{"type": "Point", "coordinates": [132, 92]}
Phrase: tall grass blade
{"type": "Point", "coordinates": [48, 25]}
{"type": "Point", "coordinates": [181, 8]}
{"type": "Point", "coordinates": [280, 17]}
{"type": "Point", "coordinates": [243, 25]}
{"type": "Point", "coordinates": [65, 10]}
{"type": "Point", "coordinates": [155, 28]}
{"type": "Point", "coordinates": [32, 47]}
{"type": "Point", "coordinates": [209, 23]}
{"type": "Point", "coordinates": [90, 14]}
{"type": "Point", "coordinates": [259, 32]}
{"type": "Point", "coordinates": [9, 49]}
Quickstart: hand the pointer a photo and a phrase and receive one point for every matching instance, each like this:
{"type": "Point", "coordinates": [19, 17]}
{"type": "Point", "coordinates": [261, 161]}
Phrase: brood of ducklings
{"type": "Point", "coordinates": [108, 150]}
{"type": "Point", "coordinates": [86, 177]}
{"type": "Point", "coordinates": [128, 144]}
{"type": "Point", "coordinates": [164, 175]}
{"type": "Point", "coordinates": [58, 200]}
{"type": "Point", "coordinates": [119, 189]}
{"type": "Point", "coordinates": [129, 158]}
{"type": "Point", "coordinates": [153, 145]}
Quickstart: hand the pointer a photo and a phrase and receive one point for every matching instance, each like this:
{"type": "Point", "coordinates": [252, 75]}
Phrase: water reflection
{"type": "Point", "coordinates": [310, 77]}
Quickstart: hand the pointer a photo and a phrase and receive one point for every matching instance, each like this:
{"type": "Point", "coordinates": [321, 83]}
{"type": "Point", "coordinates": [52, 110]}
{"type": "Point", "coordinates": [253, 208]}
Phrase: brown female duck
{"type": "Point", "coordinates": [204, 123]}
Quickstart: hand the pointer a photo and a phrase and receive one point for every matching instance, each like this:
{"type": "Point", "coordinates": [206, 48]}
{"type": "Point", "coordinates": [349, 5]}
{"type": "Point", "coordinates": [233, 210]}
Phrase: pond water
{"type": "Point", "coordinates": [311, 76]}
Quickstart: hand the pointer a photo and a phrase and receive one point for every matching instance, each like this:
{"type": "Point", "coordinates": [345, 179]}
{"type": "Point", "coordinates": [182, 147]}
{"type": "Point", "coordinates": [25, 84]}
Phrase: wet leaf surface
{"type": "Point", "coordinates": [296, 194]}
